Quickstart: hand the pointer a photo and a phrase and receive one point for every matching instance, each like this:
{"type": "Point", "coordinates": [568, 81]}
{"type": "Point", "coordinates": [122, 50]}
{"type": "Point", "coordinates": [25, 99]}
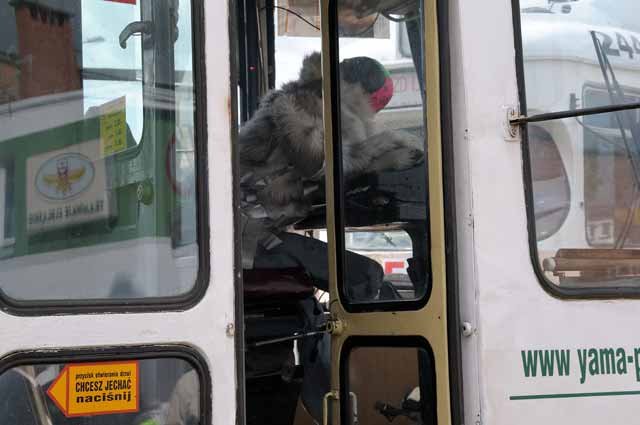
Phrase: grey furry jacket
{"type": "Point", "coordinates": [282, 152]}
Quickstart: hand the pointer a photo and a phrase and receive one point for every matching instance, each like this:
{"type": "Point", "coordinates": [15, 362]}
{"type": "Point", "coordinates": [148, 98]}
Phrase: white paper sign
{"type": "Point", "coordinates": [66, 187]}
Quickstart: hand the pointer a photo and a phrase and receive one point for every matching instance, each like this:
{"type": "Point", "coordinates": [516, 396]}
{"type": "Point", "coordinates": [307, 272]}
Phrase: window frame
{"type": "Point", "coordinates": [154, 304]}
{"type": "Point", "coordinates": [110, 353]}
{"type": "Point", "coordinates": [521, 122]}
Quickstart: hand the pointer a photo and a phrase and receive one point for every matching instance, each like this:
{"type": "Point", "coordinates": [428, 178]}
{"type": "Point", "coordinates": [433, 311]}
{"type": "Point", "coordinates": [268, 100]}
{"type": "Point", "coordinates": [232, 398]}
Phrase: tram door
{"type": "Point", "coordinates": [108, 314]}
{"type": "Point", "coordinates": [389, 351]}
{"type": "Point", "coordinates": [353, 242]}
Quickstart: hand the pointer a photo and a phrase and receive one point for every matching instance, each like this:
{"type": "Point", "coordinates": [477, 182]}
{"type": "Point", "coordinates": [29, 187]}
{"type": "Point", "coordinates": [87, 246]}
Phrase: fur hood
{"type": "Point", "coordinates": [311, 68]}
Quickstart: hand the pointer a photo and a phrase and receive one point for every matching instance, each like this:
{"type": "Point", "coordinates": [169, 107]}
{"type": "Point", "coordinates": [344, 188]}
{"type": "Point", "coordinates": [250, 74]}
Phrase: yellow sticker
{"type": "Point", "coordinates": [113, 126]}
{"type": "Point", "coordinates": [88, 389]}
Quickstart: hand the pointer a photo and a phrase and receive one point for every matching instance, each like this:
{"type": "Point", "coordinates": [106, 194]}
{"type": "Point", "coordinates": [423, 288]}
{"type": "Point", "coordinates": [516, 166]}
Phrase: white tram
{"type": "Point", "coordinates": [461, 247]}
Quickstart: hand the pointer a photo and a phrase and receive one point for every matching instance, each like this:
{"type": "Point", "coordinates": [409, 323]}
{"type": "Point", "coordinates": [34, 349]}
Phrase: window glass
{"type": "Point", "coordinates": [567, 45]}
{"type": "Point", "coordinates": [97, 151]}
{"type": "Point", "coordinates": [584, 170]}
{"type": "Point", "coordinates": [391, 249]}
{"type": "Point", "coordinates": [150, 391]}
{"type": "Point", "coordinates": [389, 385]}
{"type": "Point", "coordinates": [594, 235]}
{"type": "Point", "coordinates": [393, 240]}
{"type": "Point", "coordinates": [184, 229]}
{"type": "Point", "coordinates": [383, 152]}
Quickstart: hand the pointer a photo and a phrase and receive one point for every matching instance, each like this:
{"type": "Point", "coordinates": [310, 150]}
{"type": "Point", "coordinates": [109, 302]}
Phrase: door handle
{"type": "Point", "coordinates": [141, 27]}
{"type": "Point", "coordinates": [325, 405]}
{"type": "Point", "coordinates": [354, 408]}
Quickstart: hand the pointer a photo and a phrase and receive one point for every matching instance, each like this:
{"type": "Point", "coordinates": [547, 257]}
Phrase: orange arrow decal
{"type": "Point", "coordinates": [58, 390]}
{"type": "Point", "coordinates": [88, 389]}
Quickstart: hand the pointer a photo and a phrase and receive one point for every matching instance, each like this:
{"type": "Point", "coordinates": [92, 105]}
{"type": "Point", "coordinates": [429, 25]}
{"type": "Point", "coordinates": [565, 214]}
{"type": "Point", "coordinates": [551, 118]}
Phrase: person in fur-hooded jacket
{"type": "Point", "coordinates": [282, 146]}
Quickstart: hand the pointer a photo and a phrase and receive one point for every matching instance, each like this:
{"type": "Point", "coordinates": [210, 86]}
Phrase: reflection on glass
{"type": "Point", "coordinates": [550, 184]}
{"type": "Point", "coordinates": [108, 70]}
{"type": "Point", "coordinates": [383, 153]}
{"type": "Point", "coordinates": [153, 391]}
{"type": "Point", "coordinates": [98, 193]}
{"type": "Point", "coordinates": [389, 385]}
{"type": "Point", "coordinates": [394, 240]}
{"type": "Point", "coordinates": [596, 245]}
{"type": "Point", "coordinates": [570, 45]}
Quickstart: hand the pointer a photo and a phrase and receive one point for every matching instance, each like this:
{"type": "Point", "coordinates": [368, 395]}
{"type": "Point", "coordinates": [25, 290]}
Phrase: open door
{"type": "Point", "coordinates": [389, 345]}
{"type": "Point", "coordinates": [376, 197]}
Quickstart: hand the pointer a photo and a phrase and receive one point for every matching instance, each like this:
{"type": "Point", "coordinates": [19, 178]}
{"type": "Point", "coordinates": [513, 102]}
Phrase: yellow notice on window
{"type": "Point", "coordinates": [113, 126]}
{"type": "Point", "coordinates": [88, 389]}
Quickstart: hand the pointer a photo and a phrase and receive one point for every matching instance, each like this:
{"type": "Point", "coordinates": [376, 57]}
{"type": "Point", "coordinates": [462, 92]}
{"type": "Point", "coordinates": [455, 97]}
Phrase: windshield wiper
{"type": "Point", "coordinates": [616, 96]}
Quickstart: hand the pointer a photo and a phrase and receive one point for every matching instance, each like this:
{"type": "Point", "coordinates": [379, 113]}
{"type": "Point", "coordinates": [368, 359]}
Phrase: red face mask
{"type": "Point", "coordinates": [383, 95]}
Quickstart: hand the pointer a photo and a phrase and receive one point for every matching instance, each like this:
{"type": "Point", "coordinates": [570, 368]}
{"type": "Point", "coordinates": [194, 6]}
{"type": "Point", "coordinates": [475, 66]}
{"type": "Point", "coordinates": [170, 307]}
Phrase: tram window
{"type": "Point", "coordinates": [596, 244]}
{"type": "Point", "coordinates": [382, 149]}
{"type": "Point", "coordinates": [148, 391]}
{"type": "Point", "coordinates": [581, 55]}
{"type": "Point", "coordinates": [388, 384]}
{"type": "Point", "coordinates": [98, 121]}
{"type": "Point", "coordinates": [565, 45]}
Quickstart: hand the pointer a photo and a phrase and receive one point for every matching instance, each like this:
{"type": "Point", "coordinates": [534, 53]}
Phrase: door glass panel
{"type": "Point", "coordinates": [383, 154]}
{"type": "Point", "coordinates": [582, 40]}
{"type": "Point", "coordinates": [388, 385]}
{"type": "Point", "coordinates": [97, 151]}
{"type": "Point", "coordinates": [151, 391]}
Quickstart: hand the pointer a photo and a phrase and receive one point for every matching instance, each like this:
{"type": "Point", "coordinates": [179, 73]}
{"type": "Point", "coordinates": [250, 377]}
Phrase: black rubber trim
{"type": "Point", "coordinates": [454, 323]}
{"type": "Point", "coordinates": [336, 134]}
{"type": "Point", "coordinates": [427, 381]}
{"type": "Point", "coordinates": [517, 35]}
{"type": "Point", "coordinates": [151, 304]}
{"type": "Point", "coordinates": [250, 49]}
{"type": "Point", "coordinates": [271, 44]}
{"type": "Point", "coordinates": [551, 288]}
{"type": "Point", "coordinates": [142, 352]}
{"type": "Point", "coordinates": [235, 60]}
{"type": "Point", "coordinates": [242, 58]}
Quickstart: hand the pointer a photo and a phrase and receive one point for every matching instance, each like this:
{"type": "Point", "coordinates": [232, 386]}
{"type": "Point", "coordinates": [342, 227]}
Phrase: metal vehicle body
{"type": "Point", "coordinates": [501, 268]}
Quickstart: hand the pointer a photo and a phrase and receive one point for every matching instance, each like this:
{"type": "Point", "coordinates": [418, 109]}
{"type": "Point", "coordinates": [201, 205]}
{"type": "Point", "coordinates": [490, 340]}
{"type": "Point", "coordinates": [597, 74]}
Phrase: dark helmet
{"type": "Point", "coordinates": [372, 76]}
